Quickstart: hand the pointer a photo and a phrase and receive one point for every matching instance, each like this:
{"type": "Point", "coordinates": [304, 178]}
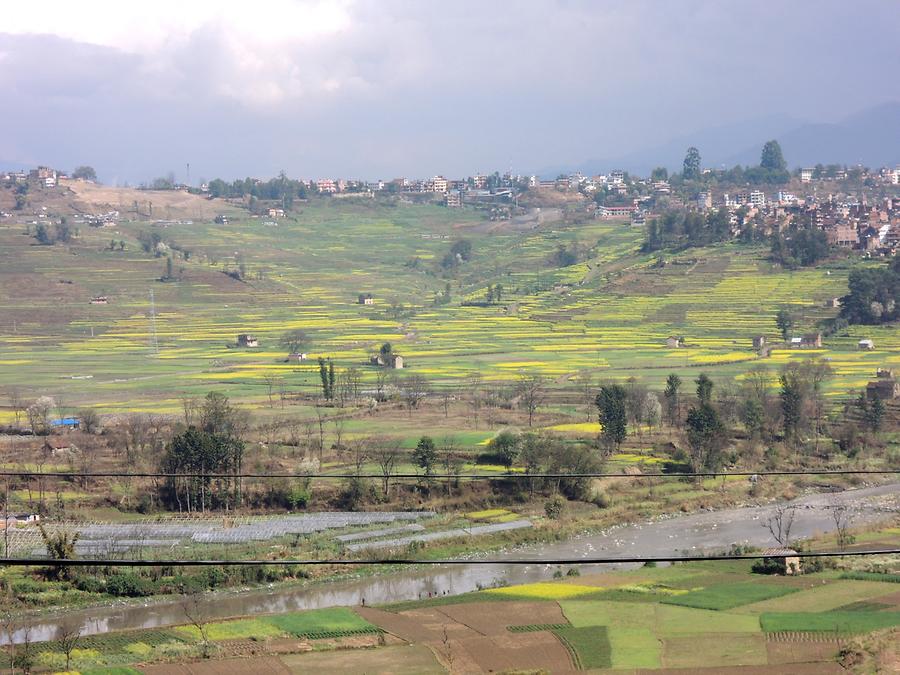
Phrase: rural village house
{"type": "Point", "coordinates": [389, 360]}
{"type": "Point", "coordinates": [247, 340]}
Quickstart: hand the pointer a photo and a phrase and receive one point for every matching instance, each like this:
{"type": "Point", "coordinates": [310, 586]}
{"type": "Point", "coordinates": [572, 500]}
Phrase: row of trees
{"type": "Point", "coordinates": [213, 446]}
{"type": "Point", "coordinates": [772, 169]}
{"type": "Point", "coordinates": [682, 229]}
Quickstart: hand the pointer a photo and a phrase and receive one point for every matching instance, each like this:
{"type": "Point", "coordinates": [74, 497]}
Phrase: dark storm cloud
{"type": "Point", "coordinates": [419, 88]}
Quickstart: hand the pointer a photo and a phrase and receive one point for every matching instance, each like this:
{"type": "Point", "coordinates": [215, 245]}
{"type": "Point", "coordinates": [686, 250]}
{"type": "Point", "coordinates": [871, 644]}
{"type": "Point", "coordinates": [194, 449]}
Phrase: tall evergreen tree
{"type": "Point", "coordinates": [612, 414]}
{"type": "Point", "coordinates": [771, 157]}
{"type": "Point", "coordinates": [673, 405]}
{"type": "Point", "coordinates": [704, 389]}
{"type": "Point", "coordinates": [691, 168]}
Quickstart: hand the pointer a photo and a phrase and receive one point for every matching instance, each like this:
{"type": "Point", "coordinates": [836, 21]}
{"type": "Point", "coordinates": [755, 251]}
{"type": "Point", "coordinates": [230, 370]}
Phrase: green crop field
{"type": "Point", "coordinates": [729, 596]}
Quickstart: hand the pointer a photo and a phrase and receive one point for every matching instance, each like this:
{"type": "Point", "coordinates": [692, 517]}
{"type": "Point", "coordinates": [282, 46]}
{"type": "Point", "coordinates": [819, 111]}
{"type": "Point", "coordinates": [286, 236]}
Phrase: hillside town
{"type": "Point", "coordinates": [855, 207]}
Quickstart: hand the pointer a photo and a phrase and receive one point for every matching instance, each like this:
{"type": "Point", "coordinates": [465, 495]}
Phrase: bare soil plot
{"type": "Point", "coordinates": [518, 651]}
{"type": "Point", "coordinates": [800, 652]}
{"type": "Point", "coordinates": [396, 660]}
{"type": "Point", "coordinates": [419, 625]}
{"type": "Point", "coordinates": [492, 618]}
{"type": "Point", "coordinates": [240, 666]}
{"type": "Point", "coordinates": [891, 599]}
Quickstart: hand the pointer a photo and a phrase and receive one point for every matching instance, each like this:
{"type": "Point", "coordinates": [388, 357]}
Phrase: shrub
{"type": "Point", "coordinates": [129, 585]}
{"type": "Point", "coordinates": [554, 507]}
{"type": "Point", "coordinates": [600, 500]}
{"type": "Point", "coordinates": [90, 584]}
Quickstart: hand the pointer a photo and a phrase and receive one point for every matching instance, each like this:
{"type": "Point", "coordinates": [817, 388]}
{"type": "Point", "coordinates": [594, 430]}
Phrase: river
{"type": "Point", "coordinates": [675, 535]}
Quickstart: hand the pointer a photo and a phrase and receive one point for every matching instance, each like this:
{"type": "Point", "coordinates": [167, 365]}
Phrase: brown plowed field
{"type": "Point", "coordinates": [518, 651]}
{"type": "Point", "coordinates": [492, 618]}
{"type": "Point", "coordinates": [268, 665]}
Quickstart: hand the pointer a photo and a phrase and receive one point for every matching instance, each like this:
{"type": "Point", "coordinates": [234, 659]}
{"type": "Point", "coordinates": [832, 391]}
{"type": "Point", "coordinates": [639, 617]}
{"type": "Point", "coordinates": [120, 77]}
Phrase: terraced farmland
{"type": "Point", "coordinates": [608, 316]}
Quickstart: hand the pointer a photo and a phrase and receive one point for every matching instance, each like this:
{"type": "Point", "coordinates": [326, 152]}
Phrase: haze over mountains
{"type": "Point", "coordinates": [870, 137]}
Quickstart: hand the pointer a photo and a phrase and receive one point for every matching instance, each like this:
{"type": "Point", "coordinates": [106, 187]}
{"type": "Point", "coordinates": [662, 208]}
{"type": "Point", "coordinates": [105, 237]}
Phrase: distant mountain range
{"type": "Point", "coordinates": [870, 137]}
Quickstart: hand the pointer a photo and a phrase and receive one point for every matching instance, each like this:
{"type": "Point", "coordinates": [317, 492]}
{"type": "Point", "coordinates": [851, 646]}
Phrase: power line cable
{"type": "Point", "coordinates": [91, 562]}
{"type": "Point", "coordinates": [444, 476]}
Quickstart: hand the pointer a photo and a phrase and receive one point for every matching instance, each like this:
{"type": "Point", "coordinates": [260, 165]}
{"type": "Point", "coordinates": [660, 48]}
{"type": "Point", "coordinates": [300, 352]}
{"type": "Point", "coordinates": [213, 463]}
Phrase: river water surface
{"type": "Point", "coordinates": [677, 535]}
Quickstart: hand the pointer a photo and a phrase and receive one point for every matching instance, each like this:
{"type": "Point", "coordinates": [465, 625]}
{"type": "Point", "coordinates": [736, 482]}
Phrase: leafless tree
{"type": "Point", "coordinates": [339, 423]}
{"type": "Point", "coordinates": [840, 514]}
{"type": "Point", "coordinates": [414, 389]}
{"type": "Point", "coordinates": [386, 455]}
{"type": "Point", "coordinates": [16, 402]}
{"type": "Point", "coordinates": [381, 380]}
{"type": "Point", "coordinates": [321, 418]}
{"type": "Point", "coordinates": [474, 386]}
{"type": "Point", "coordinates": [532, 389]}
{"type": "Point", "coordinates": [197, 615]}
{"type": "Point", "coordinates": [67, 637]}
{"type": "Point", "coordinates": [636, 394]}
{"type": "Point", "coordinates": [39, 415]}
{"type": "Point", "coordinates": [587, 394]}
{"type": "Point", "coordinates": [652, 412]}
{"type": "Point", "coordinates": [780, 522]}
{"type": "Point", "coordinates": [271, 381]}
{"type": "Point", "coordinates": [137, 435]}
{"type": "Point", "coordinates": [89, 420]}
{"type": "Point", "coordinates": [282, 392]}
{"type": "Point", "coordinates": [189, 406]}
{"type": "Point", "coordinates": [360, 452]}
{"type": "Point", "coordinates": [727, 401]}
{"type": "Point", "coordinates": [819, 371]}
{"type": "Point", "coordinates": [452, 462]}
{"type": "Point", "coordinates": [353, 383]}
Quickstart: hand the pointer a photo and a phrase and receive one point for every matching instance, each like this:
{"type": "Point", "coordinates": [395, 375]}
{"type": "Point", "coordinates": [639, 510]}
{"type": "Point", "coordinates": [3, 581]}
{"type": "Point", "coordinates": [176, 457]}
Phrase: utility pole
{"type": "Point", "coordinates": [154, 344]}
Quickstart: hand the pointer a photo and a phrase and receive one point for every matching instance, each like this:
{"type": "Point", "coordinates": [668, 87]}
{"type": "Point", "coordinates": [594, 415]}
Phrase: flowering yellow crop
{"type": "Point", "coordinates": [546, 591]}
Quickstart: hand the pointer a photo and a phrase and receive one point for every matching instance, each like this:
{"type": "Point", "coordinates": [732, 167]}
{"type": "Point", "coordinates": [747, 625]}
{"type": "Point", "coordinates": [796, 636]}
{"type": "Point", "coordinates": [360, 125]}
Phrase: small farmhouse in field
{"type": "Point", "coordinates": [787, 557]}
{"type": "Point", "coordinates": [366, 299]}
{"type": "Point", "coordinates": [297, 357]}
{"type": "Point", "coordinates": [832, 303]}
{"type": "Point", "coordinates": [808, 341]}
{"type": "Point", "coordinates": [886, 389]}
{"type": "Point", "coordinates": [759, 342]}
{"type": "Point", "coordinates": [387, 360]}
{"type": "Point", "coordinates": [99, 300]}
{"type": "Point", "coordinates": [674, 342]}
{"type": "Point", "coordinates": [885, 373]}
{"type": "Point", "coordinates": [14, 519]}
{"type": "Point", "coordinates": [865, 344]}
{"type": "Point", "coordinates": [56, 446]}
{"type": "Point", "coordinates": [247, 340]}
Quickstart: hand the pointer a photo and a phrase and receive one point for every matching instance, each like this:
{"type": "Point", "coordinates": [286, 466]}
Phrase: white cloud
{"type": "Point", "coordinates": [151, 27]}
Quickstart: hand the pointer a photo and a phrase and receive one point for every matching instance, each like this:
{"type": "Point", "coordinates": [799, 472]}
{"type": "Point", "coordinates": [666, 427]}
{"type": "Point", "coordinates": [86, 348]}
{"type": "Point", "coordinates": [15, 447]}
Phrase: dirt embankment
{"type": "Point", "coordinates": [152, 204]}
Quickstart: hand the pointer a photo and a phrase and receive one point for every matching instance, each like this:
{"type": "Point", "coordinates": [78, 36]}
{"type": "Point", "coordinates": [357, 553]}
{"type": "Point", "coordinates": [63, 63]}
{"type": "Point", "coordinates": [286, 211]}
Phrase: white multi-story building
{"type": "Point", "coordinates": [326, 185]}
{"type": "Point", "coordinates": [439, 184]}
{"type": "Point", "coordinates": [806, 175]}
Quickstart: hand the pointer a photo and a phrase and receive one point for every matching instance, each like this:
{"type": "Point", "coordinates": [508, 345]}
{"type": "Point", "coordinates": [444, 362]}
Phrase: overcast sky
{"type": "Point", "coordinates": [381, 88]}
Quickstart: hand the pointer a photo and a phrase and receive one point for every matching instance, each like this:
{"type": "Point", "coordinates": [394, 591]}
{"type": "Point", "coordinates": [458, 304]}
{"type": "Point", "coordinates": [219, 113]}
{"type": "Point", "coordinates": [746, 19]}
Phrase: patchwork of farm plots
{"type": "Point", "coordinates": [609, 316]}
